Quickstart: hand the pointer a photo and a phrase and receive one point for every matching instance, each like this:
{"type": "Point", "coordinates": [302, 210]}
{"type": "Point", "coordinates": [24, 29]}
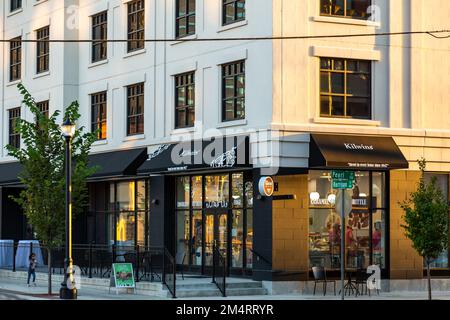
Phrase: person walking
{"type": "Point", "coordinates": [32, 269]}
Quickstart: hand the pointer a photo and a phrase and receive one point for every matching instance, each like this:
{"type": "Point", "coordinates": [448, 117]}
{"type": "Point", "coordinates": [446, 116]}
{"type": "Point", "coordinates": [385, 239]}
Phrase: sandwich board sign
{"type": "Point", "coordinates": [122, 276]}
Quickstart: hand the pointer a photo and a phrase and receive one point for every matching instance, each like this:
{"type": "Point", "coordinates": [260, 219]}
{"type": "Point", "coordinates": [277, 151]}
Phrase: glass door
{"type": "Point", "coordinates": [216, 231]}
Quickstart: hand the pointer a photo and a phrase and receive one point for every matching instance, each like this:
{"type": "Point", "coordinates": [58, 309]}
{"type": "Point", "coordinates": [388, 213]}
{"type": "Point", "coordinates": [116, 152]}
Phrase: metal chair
{"type": "Point", "coordinates": [320, 276]}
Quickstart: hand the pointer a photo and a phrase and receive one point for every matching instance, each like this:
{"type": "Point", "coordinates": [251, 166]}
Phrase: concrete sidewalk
{"type": "Point", "coordinates": [22, 291]}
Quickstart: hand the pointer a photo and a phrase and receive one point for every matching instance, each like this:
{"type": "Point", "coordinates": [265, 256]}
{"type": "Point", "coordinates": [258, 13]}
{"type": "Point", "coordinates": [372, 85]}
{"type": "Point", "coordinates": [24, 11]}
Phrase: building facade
{"type": "Point", "coordinates": [292, 109]}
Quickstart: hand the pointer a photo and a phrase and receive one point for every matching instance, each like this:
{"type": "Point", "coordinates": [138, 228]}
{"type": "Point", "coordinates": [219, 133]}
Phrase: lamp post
{"type": "Point", "coordinates": [68, 290]}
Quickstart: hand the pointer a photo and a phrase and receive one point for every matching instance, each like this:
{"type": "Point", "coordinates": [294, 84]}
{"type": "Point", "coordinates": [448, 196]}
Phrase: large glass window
{"type": "Point", "coordinates": [136, 25]}
{"type": "Point", "coordinates": [42, 49]}
{"type": "Point", "coordinates": [15, 5]}
{"type": "Point", "coordinates": [14, 134]}
{"type": "Point", "coordinates": [15, 59]}
{"type": "Point", "coordinates": [233, 91]}
{"type": "Point", "coordinates": [233, 10]}
{"type": "Point", "coordinates": [215, 209]}
{"type": "Point", "coordinates": [442, 182]}
{"type": "Point", "coordinates": [345, 88]}
{"type": "Point", "coordinates": [185, 18]}
{"type": "Point", "coordinates": [99, 32]}
{"type": "Point", "coordinates": [365, 231]}
{"type": "Point", "coordinates": [185, 100]}
{"type": "Point", "coordinates": [98, 114]}
{"type": "Point", "coordinates": [135, 109]}
{"type": "Point", "coordinates": [357, 9]}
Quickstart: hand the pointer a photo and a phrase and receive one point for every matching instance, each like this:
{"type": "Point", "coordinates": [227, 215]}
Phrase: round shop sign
{"type": "Point", "coordinates": [266, 186]}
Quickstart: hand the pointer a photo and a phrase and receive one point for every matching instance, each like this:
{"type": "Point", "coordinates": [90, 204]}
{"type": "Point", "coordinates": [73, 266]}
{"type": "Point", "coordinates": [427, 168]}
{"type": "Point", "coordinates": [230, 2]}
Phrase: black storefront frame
{"type": "Point", "coordinates": [203, 269]}
{"type": "Point", "coordinates": [385, 272]}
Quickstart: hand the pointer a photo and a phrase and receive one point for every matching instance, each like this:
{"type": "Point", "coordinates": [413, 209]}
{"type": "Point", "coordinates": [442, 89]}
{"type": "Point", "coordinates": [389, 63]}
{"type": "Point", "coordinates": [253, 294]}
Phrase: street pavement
{"type": "Point", "coordinates": [11, 289]}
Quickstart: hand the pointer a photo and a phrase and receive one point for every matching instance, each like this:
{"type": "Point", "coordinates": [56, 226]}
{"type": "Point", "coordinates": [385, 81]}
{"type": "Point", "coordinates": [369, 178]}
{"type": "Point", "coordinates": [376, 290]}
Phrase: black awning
{"type": "Point", "coordinates": [9, 173]}
{"type": "Point", "coordinates": [117, 164]}
{"type": "Point", "coordinates": [355, 152]}
{"type": "Point", "coordinates": [212, 154]}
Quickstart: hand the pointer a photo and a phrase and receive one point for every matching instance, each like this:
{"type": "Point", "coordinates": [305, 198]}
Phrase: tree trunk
{"type": "Point", "coordinates": [429, 279]}
{"type": "Point", "coordinates": [49, 262]}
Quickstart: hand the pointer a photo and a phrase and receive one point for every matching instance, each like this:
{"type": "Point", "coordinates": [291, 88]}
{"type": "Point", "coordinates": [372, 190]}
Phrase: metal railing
{"type": "Point", "coordinates": [219, 275]}
{"type": "Point", "coordinates": [169, 278]}
{"type": "Point", "coordinates": [94, 260]}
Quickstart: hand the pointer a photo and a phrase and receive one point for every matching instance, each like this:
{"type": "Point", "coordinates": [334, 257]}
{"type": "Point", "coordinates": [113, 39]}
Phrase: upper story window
{"type": "Point", "coordinates": [233, 91]}
{"type": "Point", "coordinates": [99, 32]}
{"type": "Point", "coordinates": [185, 18]}
{"type": "Point", "coordinates": [42, 49]}
{"type": "Point", "coordinates": [185, 100]}
{"type": "Point", "coordinates": [136, 25]}
{"type": "Point", "coordinates": [345, 88]}
{"type": "Point", "coordinates": [233, 10]}
{"type": "Point", "coordinates": [43, 107]}
{"type": "Point", "coordinates": [356, 9]}
{"type": "Point", "coordinates": [135, 109]}
{"type": "Point", "coordinates": [98, 114]}
{"type": "Point", "coordinates": [15, 59]}
{"type": "Point", "coordinates": [14, 135]}
{"type": "Point", "coordinates": [15, 5]}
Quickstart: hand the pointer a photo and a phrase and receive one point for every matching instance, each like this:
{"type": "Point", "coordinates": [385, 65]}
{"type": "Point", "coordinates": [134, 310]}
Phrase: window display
{"type": "Point", "coordinates": [364, 226]}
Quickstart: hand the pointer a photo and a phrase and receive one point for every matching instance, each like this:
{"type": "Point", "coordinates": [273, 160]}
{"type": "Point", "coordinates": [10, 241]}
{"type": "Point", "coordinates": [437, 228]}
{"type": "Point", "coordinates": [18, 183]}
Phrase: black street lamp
{"type": "Point", "coordinates": [68, 290]}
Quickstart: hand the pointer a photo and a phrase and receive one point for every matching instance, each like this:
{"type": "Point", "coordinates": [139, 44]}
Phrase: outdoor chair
{"type": "Point", "coordinates": [320, 276]}
{"type": "Point", "coordinates": [361, 281]}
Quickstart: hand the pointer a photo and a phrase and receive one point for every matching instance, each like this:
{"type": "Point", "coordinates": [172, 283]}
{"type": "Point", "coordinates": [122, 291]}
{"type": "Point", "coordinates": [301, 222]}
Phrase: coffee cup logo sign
{"type": "Point", "coordinates": [266, 186]}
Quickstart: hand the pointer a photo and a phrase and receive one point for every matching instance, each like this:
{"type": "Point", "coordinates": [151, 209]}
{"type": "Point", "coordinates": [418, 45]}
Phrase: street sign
{"type": "Point", "coordinates": [342, 179]}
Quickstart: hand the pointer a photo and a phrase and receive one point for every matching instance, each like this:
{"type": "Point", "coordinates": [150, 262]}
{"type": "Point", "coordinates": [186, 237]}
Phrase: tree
{"type": "Point", "coordinates": [426, 220]}
{"type": "Point", "coordinates": [43, 175]}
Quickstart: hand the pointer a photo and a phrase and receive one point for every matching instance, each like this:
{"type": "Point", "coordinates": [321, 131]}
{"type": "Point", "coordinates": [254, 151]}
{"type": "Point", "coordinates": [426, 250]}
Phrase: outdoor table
{"type": "Point", "coordinates": [23, 253]}
{"type": "Point", "coordinates": [6, 253]}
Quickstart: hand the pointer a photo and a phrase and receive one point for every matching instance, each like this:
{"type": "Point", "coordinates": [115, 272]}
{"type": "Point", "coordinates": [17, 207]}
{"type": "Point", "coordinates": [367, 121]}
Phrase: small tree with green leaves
{"type": "Point", "coordinates": [426, 220]}
{"type": "Point", "coordinates": [43, 172]}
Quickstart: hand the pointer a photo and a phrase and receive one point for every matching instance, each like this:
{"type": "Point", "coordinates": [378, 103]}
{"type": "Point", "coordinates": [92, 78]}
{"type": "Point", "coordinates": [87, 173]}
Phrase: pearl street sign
{"type": "Point", "coordinates": [342, 179]}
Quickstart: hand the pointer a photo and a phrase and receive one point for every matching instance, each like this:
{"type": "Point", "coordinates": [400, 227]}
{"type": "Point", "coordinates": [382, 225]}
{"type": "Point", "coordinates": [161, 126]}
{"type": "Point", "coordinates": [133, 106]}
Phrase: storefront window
{"type": "Point", "coordinates": [249, 239]}
{"type": "Point", "coordinates": [197, 238]}
{"type": "Point", "coordinates": [197, 192]}
{"type": "Point", "coordinates": [125, 229]}
{"type": "Point", "coordinates": [442, 182]}
{"type": "Point", "coordinates": [237, 239]}
{"type": "Point", "coordinates": [183, 234]}
{"type": "Point", "coordinates": [249, 194]}
{"type": "Point", "coordinates": [183, 189]}
{"type": "Point", "coordinates": [237, 190]}
{"type": "Point", "coordinates": [217, 191]}
{"type": "Point", "coordinates": [125, 195]}
{"type": "Point", "coordinates": [364, 226]}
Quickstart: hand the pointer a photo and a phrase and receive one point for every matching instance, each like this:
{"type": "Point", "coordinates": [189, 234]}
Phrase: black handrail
{"type": "Point", "coordinates": [169, 272]}
{"type": "Point", "coordinates": [259, 256]}
{"type": "Point", "coordinates": [219, 270]}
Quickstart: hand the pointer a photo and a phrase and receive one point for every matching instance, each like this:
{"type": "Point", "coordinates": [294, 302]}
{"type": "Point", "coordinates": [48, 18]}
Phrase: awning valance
{"type": "Point", "coordinates": [212, 154]}
{"type": "Point", "coordinates": [355, 152]}
{"type": "Point", "coordinates": [9, 173]}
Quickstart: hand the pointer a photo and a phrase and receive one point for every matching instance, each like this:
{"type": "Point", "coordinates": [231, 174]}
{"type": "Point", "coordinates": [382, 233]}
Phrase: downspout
{"type": "Point", "coordinates": [3, 77]}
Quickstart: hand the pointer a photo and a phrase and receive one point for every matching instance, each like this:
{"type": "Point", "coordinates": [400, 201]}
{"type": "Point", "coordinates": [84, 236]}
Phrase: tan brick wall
{"type": "Point", "coordinates": [290, 224]}
{"type": "Point", "coordinates": [405, 261]}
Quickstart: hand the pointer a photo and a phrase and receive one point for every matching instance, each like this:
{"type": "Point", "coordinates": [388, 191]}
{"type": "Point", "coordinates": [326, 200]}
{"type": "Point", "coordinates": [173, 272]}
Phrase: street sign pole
{"type": "Point", "coordinates": [342, 245]}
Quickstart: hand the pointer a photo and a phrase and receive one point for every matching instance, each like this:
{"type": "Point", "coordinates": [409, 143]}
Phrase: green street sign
{"type": "Point", "coordinates": [342, 179]}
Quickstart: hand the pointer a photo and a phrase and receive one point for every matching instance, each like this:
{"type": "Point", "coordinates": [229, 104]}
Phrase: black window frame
{"type": "Point", "coordinates": [234, 4]}
{"type": "Point", "coordinates": [186, 17]}
{"type": "Point", "coordinates": [14, 115]}
{"type": "Point", "coordinates": [329, 8]}
{"type": "Point", "coordinates": [15, 5]}
{"type": "Point", "coordinates": [99, 51]}
{"type": "Point", "coordinates": [345, 95]}
{"type": "Point", "coordinates": [135, 36]}
{"type": "Point", "coordinates": [135, 91]}
{"type": "Point", "coordinates": [233, 70]}
{"type": "Point", "coordinates": [43, 50]}
{"type": "Point", "coordinates": [186, 81]}
{"type": "Point", "coordinates": [99, 102]}
{"type": "Point", "coordinates": [43, 107]}
{"type": "Point", "coordinates": [15, 59]}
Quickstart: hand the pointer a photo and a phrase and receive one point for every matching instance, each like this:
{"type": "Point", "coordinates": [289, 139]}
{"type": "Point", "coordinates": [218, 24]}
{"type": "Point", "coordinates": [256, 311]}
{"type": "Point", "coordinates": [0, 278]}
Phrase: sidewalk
{"type": "Point", "coordinates": [22, 291]}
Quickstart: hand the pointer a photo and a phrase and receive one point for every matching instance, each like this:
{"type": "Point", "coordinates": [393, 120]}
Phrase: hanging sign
{"type": "Point", "coordinates": [266, 186]}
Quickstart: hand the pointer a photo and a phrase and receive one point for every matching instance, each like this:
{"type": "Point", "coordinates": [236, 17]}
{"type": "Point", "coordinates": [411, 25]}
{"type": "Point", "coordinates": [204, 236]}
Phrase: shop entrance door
{"type": "Point", "coordinates": [216, 231]}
